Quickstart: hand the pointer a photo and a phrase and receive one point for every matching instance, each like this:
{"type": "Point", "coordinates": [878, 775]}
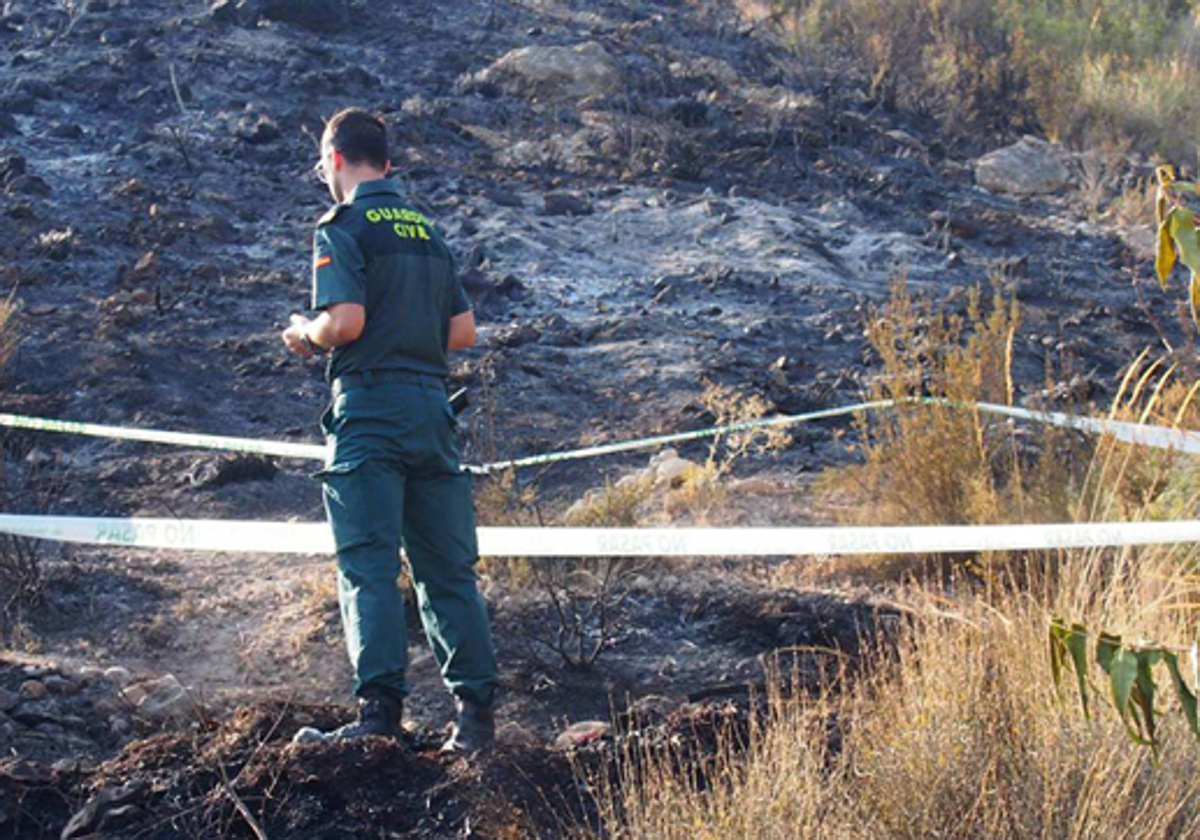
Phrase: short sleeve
{"type": "Point", "coordinates": [461, 302]}
{"type": "Point", "coordinates": [339, 270]}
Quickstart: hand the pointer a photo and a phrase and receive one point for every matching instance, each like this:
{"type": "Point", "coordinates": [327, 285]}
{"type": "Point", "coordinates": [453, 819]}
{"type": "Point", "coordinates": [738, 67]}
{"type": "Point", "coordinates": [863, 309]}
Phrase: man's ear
{"type": "Point", "coordinates": [338, 160]}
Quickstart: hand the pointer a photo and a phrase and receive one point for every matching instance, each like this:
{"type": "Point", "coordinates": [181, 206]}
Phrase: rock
{"type": "Point", "coordinates": [1028, 167]}
{"type": "Point", "coordinates": [60, 684]}
{"type": "Point", "coordinates": [633, 479]}
{"type": "Point", "coordinates": [8, 700]}
{"type": "Point", "coordinates": [118, 676]}
{"type": "Point", "coordinates": [139, 50]}
{"type": "Point", "coordinates": [28, 185]}
{"type": "Point", "coordinates": [8, 124]}
{"type": "Point", "coordinates": [67, 131]}
{"type": "Point", "coordinates": [34, 712]}
{"type": "Point", "coordinates": [235, 469]}
{"type": "Point", "coordinates": [28, 772]}
{"type": "Point", "coordinates": [566, 204]}
{"type": "Point", "coordinates": [672, 471]}
{"type": "Point", "coordinates": [514, 735]}
{"type": "Point", "coordinates": [33, 689]}
{"type": "Point", "coordinates": [317, 15]}
{"type": "Point", "coordinates": [89, 674]}
{"type": "Point", "coordinates": [668, 454]}
{"type": "Point", "coordinates": [119, 725]}
{"type": "Point", "coordinates": [12, 165]}
{"type": "Point", "coordinates": [651, 709]}
{"type": "Point", "coordinates": [65, 765]}
{"type": "Point", "coordinates": [56, 244]}
{"type": "Point", "coordinates": [257, 130]}
{"type": "Point", "coordinates": [554, 72]}
{"type": "Point", "coordinates": [582, 733]}
{"type": "Point", "coordinates": [163, 699]}
{"type": "Point", "coordinates": [102, 808]}
{"type": "Point", "coordinates": [752, 487]}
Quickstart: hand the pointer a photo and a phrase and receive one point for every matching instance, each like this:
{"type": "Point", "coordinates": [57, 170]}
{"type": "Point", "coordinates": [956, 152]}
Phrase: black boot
{"type": "Point", "coordinates": [378, 714]}
{"type": "Point", "coordinates": [474, 727]}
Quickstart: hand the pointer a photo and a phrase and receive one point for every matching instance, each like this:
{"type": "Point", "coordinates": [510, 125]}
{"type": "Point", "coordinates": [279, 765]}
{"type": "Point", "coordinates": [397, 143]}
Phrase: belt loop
{"type": "Point", "coordinates": [368, 378]}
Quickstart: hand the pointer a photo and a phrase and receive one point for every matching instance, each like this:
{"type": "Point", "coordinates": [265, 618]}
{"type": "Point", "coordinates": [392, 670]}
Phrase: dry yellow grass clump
{"type": "Point", "coordinates": [959, 733]}
{"type": "Point", "coordinates": [957, 729]}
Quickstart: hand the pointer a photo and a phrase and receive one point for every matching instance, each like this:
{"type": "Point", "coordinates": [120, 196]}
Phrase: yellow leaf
{"type": "Point", "coordinates": [1164, 261]}
{"type": "Point", "coordinates": [1195, 296]}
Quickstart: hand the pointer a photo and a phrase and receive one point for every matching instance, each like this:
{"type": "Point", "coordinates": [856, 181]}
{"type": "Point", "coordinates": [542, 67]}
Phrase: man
{"type": "Point", "coordinates": [391, 308]}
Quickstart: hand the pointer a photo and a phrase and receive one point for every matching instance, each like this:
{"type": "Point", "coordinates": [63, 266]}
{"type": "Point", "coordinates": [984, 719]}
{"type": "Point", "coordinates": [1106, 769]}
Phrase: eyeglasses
{"type": "Point", "coordinates": [318, 168]}
{"type": "Point", "coordinates": [318, 171]}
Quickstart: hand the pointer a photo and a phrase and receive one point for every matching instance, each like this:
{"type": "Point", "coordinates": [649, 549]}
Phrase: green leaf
{"type": "Point", "coordinates": [1144, 689]}
{"type": "Point", "coordinates": [1106, 648]}
{"type": "Point", "coordinates": [1122, 676]}
{"type": "Point", "coordinates": [1181, 225]}
{"type": "Point", "coordinates": [1069, 642]}
{"type": "Point", "coordinates": [1187, 697]}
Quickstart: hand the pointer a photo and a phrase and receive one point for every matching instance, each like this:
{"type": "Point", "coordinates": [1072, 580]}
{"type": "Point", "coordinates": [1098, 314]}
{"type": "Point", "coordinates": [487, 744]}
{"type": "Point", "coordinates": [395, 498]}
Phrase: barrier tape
{"type": "Point", "coordinates": [195, 441]}
{"type": "Point", "coordinates": [1160, 437]}
{"type": "Point", "coordinates": [316, 537]}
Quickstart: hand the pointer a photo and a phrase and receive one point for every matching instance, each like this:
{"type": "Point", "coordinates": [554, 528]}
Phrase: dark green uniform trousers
{"type": "Point", "coordinates": [393, 478]}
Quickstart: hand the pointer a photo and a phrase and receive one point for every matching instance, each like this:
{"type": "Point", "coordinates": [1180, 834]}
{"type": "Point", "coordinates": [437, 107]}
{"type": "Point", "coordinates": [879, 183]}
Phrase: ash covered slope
{"type": "Point", "coordinates": [650, 195]}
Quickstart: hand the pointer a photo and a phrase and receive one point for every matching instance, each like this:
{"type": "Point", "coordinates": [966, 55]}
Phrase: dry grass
{"type": "Point", "coordinates": [941, 464]}
{"type": "Point", "coordinates": [1088, 72]}
{"type": "Point", "coordinates": [957, 734]}
{"type": "Point", "coordinates": [958, 731]}
{"type": "Point", "coordinates": [9, 337]}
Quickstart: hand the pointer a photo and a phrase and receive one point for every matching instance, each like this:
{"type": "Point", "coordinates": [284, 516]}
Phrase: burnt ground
{"type": "Point", "coordinates": [730, 214]}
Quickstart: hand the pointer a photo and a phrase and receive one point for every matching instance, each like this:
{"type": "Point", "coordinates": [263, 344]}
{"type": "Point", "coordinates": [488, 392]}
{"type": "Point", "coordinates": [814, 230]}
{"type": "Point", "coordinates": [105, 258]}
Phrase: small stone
{"type": "Point", "coordinates": [163, 698]}
{"type": "Point", "coordinates": [28, 185]}
{"type": "Point", "coordinates": [67, 131]}
{"type": "Point", "coordinates": [751, 487]}
{"type": "Point", "coordinates": [119, 725]}
{"type": "Point", "coordinates": [514, 735]}
{"type": "Point", "coordinates": [258, 130]}
{"type": "Point", "coordinates": [673, 471]}
{"type": "Point", "coordinates": [579, 734]}
{"type": "Point", "coordinates": [8, 700]}
{"type": "Point", "coordinates": [89, 674]}
{"type": "Point", "coordinates": [33, 689]}
{"type": "Point", "coordinates": [118, 676]}
{"type": "Point", "coordinates": [60, 684]}
{"type": "Point", "coordinates": [651, 708]}
{"type": "Point", "coordinates": [566, 204]}
{"type": "Point", "coordinates": [668, 454]}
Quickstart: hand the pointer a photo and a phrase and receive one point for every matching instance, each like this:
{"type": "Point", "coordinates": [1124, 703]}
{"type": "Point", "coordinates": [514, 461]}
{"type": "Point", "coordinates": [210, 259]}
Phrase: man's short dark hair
{"type": "Point", "coordinates": [360, 136]}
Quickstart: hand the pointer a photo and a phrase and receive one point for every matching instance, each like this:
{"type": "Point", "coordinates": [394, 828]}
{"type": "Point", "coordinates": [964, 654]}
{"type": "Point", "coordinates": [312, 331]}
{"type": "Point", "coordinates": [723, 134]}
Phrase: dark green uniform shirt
{"type": "Point", "coordinates": [377, 251]}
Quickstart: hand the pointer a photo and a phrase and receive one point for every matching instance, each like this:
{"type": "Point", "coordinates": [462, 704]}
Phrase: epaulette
{"type": "Point", "coordinates": [331, 214]}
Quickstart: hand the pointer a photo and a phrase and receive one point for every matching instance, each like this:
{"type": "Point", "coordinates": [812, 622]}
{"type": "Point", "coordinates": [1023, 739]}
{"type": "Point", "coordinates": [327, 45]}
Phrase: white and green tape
{"type": "Point", "coordinates": [315, 538]}
{"type": "Point", "coordinates": [1160, 437]}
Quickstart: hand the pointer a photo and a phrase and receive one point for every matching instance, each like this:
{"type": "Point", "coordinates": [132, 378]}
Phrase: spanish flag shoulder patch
{"type": "Point", "coordinates": [323, 261]}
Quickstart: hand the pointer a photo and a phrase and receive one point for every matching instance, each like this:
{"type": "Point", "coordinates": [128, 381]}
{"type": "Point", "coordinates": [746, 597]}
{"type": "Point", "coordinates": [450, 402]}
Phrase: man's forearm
{"type": "Point", "coordinates": [326, 332]}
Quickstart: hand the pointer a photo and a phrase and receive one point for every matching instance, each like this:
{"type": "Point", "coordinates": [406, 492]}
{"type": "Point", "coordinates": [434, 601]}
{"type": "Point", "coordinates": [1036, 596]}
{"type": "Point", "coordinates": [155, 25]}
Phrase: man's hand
{"type": "Point", "coordinates": [294, 337]}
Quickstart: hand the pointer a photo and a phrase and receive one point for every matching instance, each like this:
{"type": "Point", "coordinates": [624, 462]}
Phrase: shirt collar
{"type": "Point", "coordinates": [374, 186]}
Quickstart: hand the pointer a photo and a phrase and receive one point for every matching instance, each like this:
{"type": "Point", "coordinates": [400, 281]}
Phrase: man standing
{"type": "Point", "coordinates": [391, 308]}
